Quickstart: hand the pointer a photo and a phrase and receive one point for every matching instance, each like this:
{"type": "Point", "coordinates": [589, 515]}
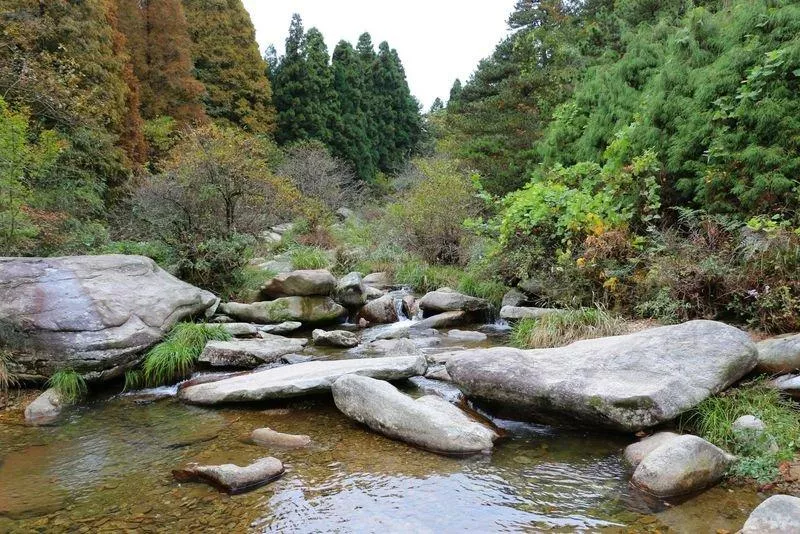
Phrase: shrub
{"type": "Point", "coordinates": [713, 420]}
{"type": "Point", "coordinates": [70, 385]}
{"type": "Point", "coordinates": [564, 327]}
{"type": "Point", "coordinates": [174, 358]}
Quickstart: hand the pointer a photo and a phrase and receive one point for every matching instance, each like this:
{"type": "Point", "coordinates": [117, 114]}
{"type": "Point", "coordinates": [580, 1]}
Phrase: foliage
{"type": "Point", "coordinates": [70, 386]}
{"type": "Point", "coordinates": [713, 420]}
{"type": "Point", "coordinates": [320, 176]}
{"type": "Point", "coordinates": [174, 358]}
{"type": "Point", "coordinates": [305, 257]}
{"type": "Point", "coordinates": [7, 378]}
{"type": "Point", "coordinates": [564, 327]}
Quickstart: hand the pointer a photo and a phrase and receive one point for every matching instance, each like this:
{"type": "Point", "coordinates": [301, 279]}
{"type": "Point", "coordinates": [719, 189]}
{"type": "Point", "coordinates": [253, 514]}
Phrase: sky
{"type": "Point", "coordinates": [437, 40]}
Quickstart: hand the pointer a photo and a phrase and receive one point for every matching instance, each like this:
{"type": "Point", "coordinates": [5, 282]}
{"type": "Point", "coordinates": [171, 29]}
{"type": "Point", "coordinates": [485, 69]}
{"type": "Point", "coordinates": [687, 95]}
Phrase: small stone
{"type": "Point", "coordinates": [334, 338]}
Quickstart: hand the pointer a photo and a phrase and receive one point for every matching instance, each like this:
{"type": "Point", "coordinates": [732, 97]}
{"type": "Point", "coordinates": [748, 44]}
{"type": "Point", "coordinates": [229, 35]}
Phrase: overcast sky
{"type": "Point", "coordinates": [437, 40]}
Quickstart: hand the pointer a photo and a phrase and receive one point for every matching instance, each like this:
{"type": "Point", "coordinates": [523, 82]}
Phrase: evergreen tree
{"type": "Point", "coordinates": [437, 105]}
{"type": "Point", "coordinates": [289, 88]}
{"type": "Point", "coordinates": [455, 92]}
{"type": "Point", "coordinates": [229, 64]}
{"type": "Point", "coordinates": [350, 141]}
{"type": "Point", "coordinates": [368, 61]}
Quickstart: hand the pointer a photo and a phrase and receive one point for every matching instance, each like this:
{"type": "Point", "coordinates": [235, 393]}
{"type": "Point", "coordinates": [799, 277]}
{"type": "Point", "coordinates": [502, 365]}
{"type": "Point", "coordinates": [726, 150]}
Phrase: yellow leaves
{"type": "Point", "coordinates": [611, 284]}
{"type": "Point", "coordinates": [581, 262]}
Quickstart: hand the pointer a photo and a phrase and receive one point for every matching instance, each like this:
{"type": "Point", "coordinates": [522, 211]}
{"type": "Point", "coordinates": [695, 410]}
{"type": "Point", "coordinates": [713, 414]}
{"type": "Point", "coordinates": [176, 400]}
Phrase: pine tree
{"type": "Point", "coordinates": [455, 92]}
{"type": "Point", "coordinates": [350, 141]}
{"type": "Point", "coordinates": [229, 64]}
{"type": "Point", "coordinates": [323, 112]}
{"type": "Point", "coordinates": [289, 95]}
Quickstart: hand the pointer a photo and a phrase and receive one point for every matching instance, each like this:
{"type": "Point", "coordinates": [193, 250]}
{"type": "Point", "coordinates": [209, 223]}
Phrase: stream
{"type": "Point", "coordinates": [107, 468]}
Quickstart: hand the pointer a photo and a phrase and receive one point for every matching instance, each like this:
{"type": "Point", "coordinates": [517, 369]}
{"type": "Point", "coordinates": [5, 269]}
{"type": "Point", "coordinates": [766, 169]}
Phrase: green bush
{"type": "Point", "coordinates": [69, 385]}
{"type": "Point", "coordinates": [564, 327]}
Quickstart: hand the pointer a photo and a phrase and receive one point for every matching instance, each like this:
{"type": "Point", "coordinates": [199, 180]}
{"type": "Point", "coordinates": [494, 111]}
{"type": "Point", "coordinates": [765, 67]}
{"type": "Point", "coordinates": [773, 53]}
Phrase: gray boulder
{"type": "Point", "coordinates": [394, 347]}
{"type": "Point", "coordinates": [45, 409]}
{"type": "Point", "coordinates": [232, 478]}
{"type": "Point", "coordinates": [335, 338]}
{"type": "Point", "coordinates": [443, 320]}
{"type": "Point", "coordinates": [380, 311]}
{"type": "Point", "coordinates": [780, 514]}
{"type": "Point", "coordinates": [240, 329]}
{"type": "Point", "coordinates": [309, 283]}
{"type": "Point", "coordinates": [788, 385]}
{"type": "Point", "coordinates": [447, 300]}
{"type": "Point", "coordinates": [681, 466]}
{"type": "Point", "coordinates": [429, 422]}
{"type": "Point", "coordinates": [636, 452]}
{"type": "Point", "coordinates": [299, 379]}
{"type": "Point", "coordinates": [626, 382]}
{"type": "Point", "coordinates": [307, 310]}
{"type": "Point", "coordinates": [350, 291]}
{"type": "Point", "coordinates": [779, 354]}
{"type": "Point", "coordinates": [372, 293]}
{"type": "Point", "coordinates": [94, 314]}
{"type": "Point", "coordinates": [269, 438]}
{"type": "Point", "coordinates": [515, 297]}
{"type": "Point", "coordinates": [250, 353]}
{"type": "Point", "coordinates": [516, 313]}
{"type": "Point", "coordinates": [379, 280]}
{"type": "Point", "coordinates": [750, 433]}
{"type": "Point", "coordinates": [281, 328]}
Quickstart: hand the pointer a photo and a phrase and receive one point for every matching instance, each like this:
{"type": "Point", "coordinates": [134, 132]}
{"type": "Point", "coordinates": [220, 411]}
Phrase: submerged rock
{"type": "Point", "coordinates": [429, 422]}
{"type": "Point", "coordinates": [335, 338]}
{"type": "Point", "coordinates": [299, 379]}
{"type": "Point", "coordinates": [232, 478]}
{"type": "Point", "coordinates": [681, 466]}
{"type": "Point", "coordinates": [45, 409]}
{"type": "Point", "coordinates": [307, 283]}
{"type": "Point", "coordinates": [302, 309]}
{"type": "Point", "coordinates": [93, 314]}
{"type": "Point", "coordinates": [446, 300]}
{"type": "Point", "coordinates": [250, 353]}
{"type": "Point", "coordinates": [350, 290]}
{"type": "Point", "coordinates": [636, 452]}
{"type": "Point", "coordinates": [780, 514]}
{"type": "Point", "coordinates": [515, 313]}
{"type": "Point", "coordinates": [269, 438]}
{"type": "Point", "coordinates": [779, 354]}
{"type": "Point", "coordinates": [626, 382]}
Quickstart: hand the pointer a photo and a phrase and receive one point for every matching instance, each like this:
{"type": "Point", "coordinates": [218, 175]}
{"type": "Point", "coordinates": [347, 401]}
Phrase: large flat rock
{"type": "Point", "coordinates": [250, 353]}
{"type": "Point", "coordinates": [94, 314]}
{"type": "Point", "coordinates": [303, 283]}
{"type": "Point", "coordinates": [299, 379]}
{"type": "Point", "coordinates": [307, 310]}
{"type": "Point", "coordinates": [626, 382]}
{"type": "Point", "coordinates": [429, 422]}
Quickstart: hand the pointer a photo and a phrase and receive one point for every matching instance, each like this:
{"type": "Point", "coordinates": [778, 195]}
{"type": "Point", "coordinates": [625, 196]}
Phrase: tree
{"type": "Point", "coordinates": [290, 90]}
{"type": "Point", "coordinates": [437, 105]}
{"type": "Point", "coordinates": [455, 92]}
{"type": "Point", "coordinates": [229, 64]}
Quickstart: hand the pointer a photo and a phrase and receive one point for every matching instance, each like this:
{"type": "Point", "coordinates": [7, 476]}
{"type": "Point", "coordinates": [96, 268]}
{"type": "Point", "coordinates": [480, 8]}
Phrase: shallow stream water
{"type": "Point", "coordinates": [107, 468]}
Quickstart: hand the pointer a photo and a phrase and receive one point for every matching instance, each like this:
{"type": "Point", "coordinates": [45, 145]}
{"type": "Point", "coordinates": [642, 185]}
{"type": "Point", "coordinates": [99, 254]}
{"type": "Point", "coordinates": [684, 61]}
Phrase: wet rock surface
{"type": "Point", "coordinates": [429, 422]}
{"type": "Point", "coordinates": [626, 382]}
{"type": "Point", "coordinates": [232, 478]}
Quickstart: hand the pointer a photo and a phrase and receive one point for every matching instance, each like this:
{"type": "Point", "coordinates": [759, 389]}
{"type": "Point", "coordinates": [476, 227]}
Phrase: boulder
{"type": "Point", "coordinates": [681, 466]}
{"type": "Point", "coordinates": [779, 354]}
{"type": "Point", "coordinates": [750, 433]}
{"type": "Point", "coordinates": [379, 280]}
{"type": "Point", "coordinates": [232, 478]}
{"type": "Point", "coordinates": [269, 438]}
{"type": "Point", "coordinates": [307, 310]}
{"type": "Point", "coordinates": [515, 297]}
{"type": "Point", "coordinates": [250, 353]}
{"type": "Point", "coordinates": [350, 291]}
{"type": "Point", "coordinates": [446, 300]}
{"type": "Point", "coordinates": [240, 329]}
{"type": "Point", "coordinates": [94, 314]}
{"type": "Point", "coordinates": [466, 335]}
{"type": "Point", "coordinates": [516, 313]}
{"type": "Point", "coordinates": [281, 328]}
{"type": "Point", "coordinates": [780, 514]}
{"type": "Point", "coordinates": [788, 385]}
{"type": "Point", "coordinates": [628, 382]}
{"type": "Point", "coordinates": [380, 311]}
{"type": "Point", "coordinates": [299, 379]}
{"type": "Point", "coordinates": [45, 409]}
{"type": "Point", "coordinates": [317, 282]}
{"type": "Point", "coordinates": [429, 422]}
{"type": "Point", "coordinates": [372, 293]}
{"type": "Point", "coordinates": [335, 338]}
{"type": "Point", "coordinates": [394, 347]}
{"type": "Point", "coordinates": [749, 424]}
{"type": "Point", "coordinates": [636, 452]}
{"type": "Point", "coordinates": [443, 320]}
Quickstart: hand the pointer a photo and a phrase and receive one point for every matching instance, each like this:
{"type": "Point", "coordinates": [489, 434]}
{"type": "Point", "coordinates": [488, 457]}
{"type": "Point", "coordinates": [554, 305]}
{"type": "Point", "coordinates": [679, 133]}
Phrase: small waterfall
{"type": "Point", "coordinates": [399, 308]}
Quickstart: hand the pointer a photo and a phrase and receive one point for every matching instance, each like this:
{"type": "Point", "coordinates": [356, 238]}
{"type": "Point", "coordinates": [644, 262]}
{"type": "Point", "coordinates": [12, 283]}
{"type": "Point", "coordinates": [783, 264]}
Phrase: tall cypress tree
{"type": "Point", "coordinates": [323, 112]}
{"type": "Point", "coordinates": [350, 140]}
{"type": "Point", "coordinates": [289, 90]}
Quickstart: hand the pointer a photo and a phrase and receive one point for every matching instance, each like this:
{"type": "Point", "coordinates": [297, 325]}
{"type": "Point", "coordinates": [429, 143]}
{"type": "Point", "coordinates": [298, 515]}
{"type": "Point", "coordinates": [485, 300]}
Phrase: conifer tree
{"type": "Point", "coordinates": [229, 64]}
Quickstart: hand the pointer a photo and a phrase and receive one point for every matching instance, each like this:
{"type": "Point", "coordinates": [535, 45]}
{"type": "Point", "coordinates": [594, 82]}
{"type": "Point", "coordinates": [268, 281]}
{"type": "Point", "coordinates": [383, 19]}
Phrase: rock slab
{"type": "Point", "coordinates": [250, 353]}
{"type": "Point", "coordinates": [303, 283]}
{"type": "Point", "coordinates": [93, 314]}
{"type": "Point", "coordinates": [299, 379]}
{"type": "Point", "coordinates": [516, 313]}
{"type": "Point", "coordinates": [311, 310]}
{"type": "Point", "coordinates": [627, 383]}
{"type": "Point", "coordinates": [780, 514]}
{"type": "Point", "coordinates": [232, 478]}
{"type": "Point", "coordinates": [429, 422]}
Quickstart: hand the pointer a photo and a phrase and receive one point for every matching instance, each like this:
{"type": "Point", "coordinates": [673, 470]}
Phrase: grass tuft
{"type": "Point", "coordinates": [562, 328]}
{"type": "Point", "coordinates": [7, 379]}
{"type": "Point", "coordinates": [758, 459]}
{"type": "Point", "coordinates": [305, 257]}
{"type": "Point", "coordinates": [70, 385]}
{"type": "Point", "coordinates": [174, 358]}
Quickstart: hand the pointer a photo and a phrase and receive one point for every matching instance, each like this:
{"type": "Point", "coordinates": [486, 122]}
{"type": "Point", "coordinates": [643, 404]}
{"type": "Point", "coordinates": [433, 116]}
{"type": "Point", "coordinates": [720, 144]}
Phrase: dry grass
{"type": "Point", "coordinates": [563, 328]}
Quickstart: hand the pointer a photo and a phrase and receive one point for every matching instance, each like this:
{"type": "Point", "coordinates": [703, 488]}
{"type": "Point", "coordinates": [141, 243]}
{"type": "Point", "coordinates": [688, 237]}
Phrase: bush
{"type": "Point", "coordinates": [713, 420]}
{"type": "Point", "coordinates": [174, 358]}
{"type": "Point", "coordinates": [69, 385]}
{"type": "Point", "coordinates": [564, 327]}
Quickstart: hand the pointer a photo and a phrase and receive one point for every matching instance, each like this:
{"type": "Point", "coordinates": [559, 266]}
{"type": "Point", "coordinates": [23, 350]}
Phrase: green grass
{"type": "Point", "coordinates": [70, 385]}
{"type": "Point", "coordinates": [174, 358]}
{"type": "Point", "coordinates": [7, 379]}
{"type": "Point", "coordinates": [304, 257]}
{"type": "Point", "coordinates": [489, 289]}
{"type": "Point", "coordinates": [713, 420]}
{"type": "Point", "coordinates": [562, 328]}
